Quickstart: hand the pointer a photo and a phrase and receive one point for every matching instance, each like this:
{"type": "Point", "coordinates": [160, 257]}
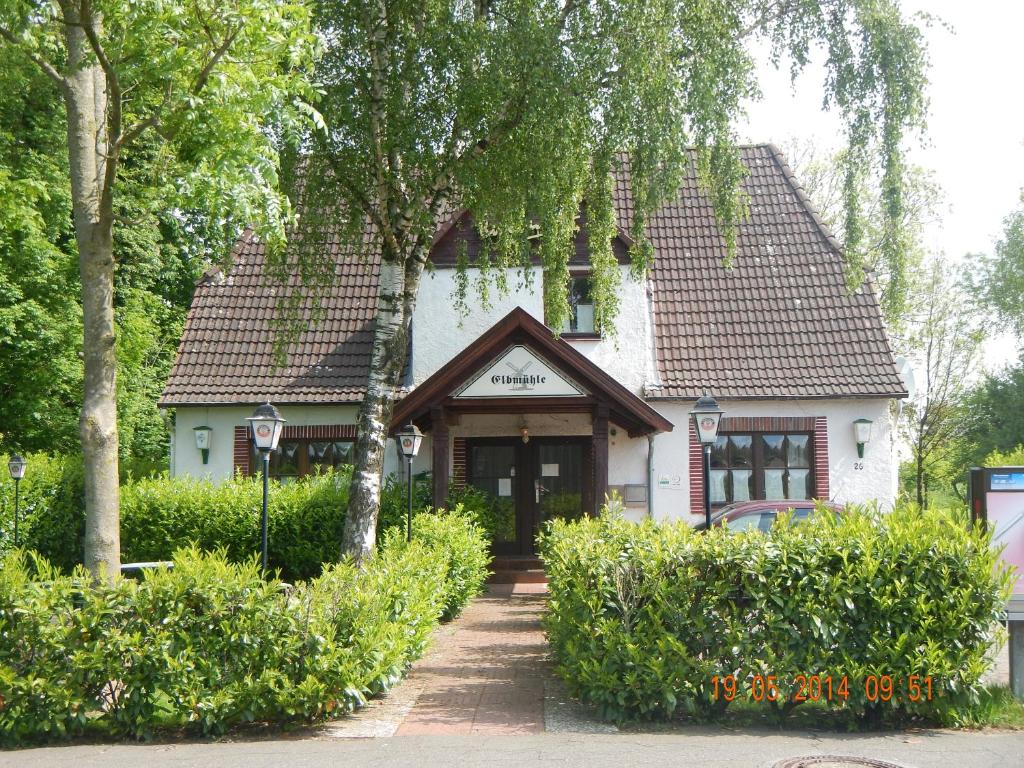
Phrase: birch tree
{"type": "Point", "coordinates": [822, 174]}
{"type": "Point", "coordinates": [519, 110]}
{"type": "Point", "coordinates": [203, 77]}
{"type": "Point", "coordinates": [947, 338]}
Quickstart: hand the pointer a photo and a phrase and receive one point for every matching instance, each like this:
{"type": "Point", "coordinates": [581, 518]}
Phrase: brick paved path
{"type": "Point", "coordinates": [486, 677]}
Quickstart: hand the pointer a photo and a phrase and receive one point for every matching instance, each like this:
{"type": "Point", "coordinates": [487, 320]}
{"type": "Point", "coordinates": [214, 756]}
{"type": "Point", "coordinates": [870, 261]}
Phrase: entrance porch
{"type": "Point", "coordinates": [525, 418]}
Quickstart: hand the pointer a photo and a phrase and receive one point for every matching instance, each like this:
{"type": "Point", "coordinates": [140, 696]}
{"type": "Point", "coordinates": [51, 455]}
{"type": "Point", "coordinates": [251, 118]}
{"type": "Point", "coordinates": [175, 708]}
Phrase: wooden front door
{"type": "Point", "coordinates": [530, 483]}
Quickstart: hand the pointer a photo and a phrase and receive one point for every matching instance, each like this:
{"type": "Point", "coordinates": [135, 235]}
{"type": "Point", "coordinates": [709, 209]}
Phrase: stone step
{"type": "Point", "coordinates": [517, 563]}
{"type": "Point", "coordinates": [535, 576]}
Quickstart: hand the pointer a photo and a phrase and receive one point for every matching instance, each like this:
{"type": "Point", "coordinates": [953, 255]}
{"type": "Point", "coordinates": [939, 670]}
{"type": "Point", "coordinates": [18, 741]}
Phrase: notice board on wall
{"type": "Point", "coordinates": [997, 500]}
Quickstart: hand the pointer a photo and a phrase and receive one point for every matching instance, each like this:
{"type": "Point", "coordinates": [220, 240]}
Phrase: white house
{"type": "Point", "coordinates": [549, 426]}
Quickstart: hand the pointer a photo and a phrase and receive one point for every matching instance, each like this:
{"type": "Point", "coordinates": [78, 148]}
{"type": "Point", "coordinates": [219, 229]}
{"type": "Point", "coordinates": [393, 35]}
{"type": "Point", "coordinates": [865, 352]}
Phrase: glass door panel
{"type": "Point", "coordinates": [492, 469]}
{"type": "Point", "coordinates": [558, 481]}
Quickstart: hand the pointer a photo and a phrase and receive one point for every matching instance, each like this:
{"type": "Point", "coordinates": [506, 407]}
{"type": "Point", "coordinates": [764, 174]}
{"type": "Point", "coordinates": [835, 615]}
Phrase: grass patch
{"type": "Point", "coordinates": [997, 708]}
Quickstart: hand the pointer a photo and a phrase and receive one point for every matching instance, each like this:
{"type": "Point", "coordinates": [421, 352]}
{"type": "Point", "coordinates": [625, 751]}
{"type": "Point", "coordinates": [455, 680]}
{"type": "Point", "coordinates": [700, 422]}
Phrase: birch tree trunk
{"type": "Point", "coordinates": [399, 282]}
{"type": "Point", "coordinates": [90, 158]}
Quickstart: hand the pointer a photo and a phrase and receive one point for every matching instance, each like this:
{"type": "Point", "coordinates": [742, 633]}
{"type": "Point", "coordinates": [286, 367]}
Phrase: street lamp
{"type": "Point", "coordinates": [706, 418]}
{"type": "Point", "coordinates": [409, 440]}
{"type": "Point", "coordinates": [16, 466]}
{"type": "Point", "coordinates": [266, 424]}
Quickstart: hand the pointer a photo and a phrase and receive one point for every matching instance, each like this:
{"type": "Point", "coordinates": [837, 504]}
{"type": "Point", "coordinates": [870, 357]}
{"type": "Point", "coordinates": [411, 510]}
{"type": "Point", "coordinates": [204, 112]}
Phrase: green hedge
{"type": "Point", "coordinates": [210, 644]}
{"type": "Point", "coordinates": [462, 542]}
{"type": "Point", "coordinates": [305, 526]}
{"type": "Point", "coordinates": [161, 514]}
{"type": "Point", "coordinates": [52, 500]}
{"type": "Point", "coordinates": [642, 617]}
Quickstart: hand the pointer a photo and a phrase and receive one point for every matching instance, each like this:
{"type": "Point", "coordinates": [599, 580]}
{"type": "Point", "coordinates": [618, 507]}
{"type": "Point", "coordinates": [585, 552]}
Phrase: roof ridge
{"type": "Point", "coordinates": [867, 284]}
{"type": "Point", "coordinates": [798, 188]}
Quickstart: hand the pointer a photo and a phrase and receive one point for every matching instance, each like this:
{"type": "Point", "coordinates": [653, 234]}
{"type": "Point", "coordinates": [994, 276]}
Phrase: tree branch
{"type": "Point", "coordinates": [197, 86]}
{"type": "Point", "coordinates": [39, 61]}
{"type": "Point", "coordinates": [204, 73]}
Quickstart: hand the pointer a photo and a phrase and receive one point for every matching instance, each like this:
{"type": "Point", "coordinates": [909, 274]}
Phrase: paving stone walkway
{"type": "Point", "coordinates": [487, 673]}
{"type": "Point", "coordinates": [488, 677]}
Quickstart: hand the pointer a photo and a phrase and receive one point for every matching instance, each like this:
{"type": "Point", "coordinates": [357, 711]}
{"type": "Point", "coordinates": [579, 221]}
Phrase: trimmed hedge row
{"type": "Point", "coordinates": [211, 644]}
{"type": "Point", "coordinates": [160, 515]}
{"type": "Point", "coordinates": [642, 617]}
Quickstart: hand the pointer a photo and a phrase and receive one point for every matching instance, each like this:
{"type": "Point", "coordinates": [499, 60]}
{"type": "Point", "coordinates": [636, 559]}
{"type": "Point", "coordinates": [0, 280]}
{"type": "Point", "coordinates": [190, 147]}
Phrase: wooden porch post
{"type": "Point", "coordinates": [439, 443]}
{"type": "Point", "coordinates": [600, 454]}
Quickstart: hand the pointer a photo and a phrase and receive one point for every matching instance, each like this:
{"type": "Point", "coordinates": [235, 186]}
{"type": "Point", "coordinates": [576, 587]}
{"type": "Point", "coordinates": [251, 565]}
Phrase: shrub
{"type": "Point", "coordinates": [51, 508]}
{"type": "Point", "coordinates": [160, 515]}
{"type": "Point", "coordinates": [210, 643]}
{"type": "Point", "coordinates": [485, 508]}
{"type": "Point", "coordinates": [43, 692]}
{"type": "Point", "coordinates": [306, 519]}
{"type": "Point", "coordinates": [465, 549]}
{"type": "Point", "coordinates": [643, 616]}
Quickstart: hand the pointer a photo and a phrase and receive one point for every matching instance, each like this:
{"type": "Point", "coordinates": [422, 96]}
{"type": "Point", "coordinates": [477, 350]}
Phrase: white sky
{"type": "Point", "coordinates": [974, 142]}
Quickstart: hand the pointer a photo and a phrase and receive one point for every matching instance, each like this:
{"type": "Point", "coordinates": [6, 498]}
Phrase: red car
{"type": "Point", "coordinates": [744, 515]}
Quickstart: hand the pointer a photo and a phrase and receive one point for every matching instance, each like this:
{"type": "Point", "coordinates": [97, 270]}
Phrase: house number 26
{"type": "Point", "coordinates": [858, 465]}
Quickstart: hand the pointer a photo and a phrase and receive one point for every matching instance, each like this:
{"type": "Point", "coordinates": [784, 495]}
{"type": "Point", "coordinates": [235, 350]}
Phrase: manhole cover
{"type": "Point", "coordinates": [833, 761]}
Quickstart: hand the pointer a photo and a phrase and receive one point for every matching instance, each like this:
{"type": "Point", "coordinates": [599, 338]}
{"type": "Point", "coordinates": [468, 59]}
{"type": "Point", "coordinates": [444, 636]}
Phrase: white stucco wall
{"type": "Point", "coordinates": [439, 332]}
{"type": "Point", "coordinates": [875, 480]}
{"type": "Point", "coordinates": [186, 458]}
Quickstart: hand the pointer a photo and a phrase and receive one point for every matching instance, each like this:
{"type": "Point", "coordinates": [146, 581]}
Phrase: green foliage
{"type": "Point", "coordinates": [40, 316]}
{"type": "Point", "coordinates": [43, 692]}
{"type": "Point", "coordinates": [998, 282]}
{"type": "Point", "coordinates": [642, 616]}
{"type": "Point", "coordinates": [1012, 458]}
{"type": "Point", "coordinates": [160, 515]}
{"type": "Point", "coordinates": [519, 112]}
{"type": "Point", "coordinates": [210, 644]}
{"type": "Point", "coordinates": [51, 509]}
{"type": "Point", "coordinates": [821, 174]}
{"type": "Point", "coordinates": [948, 336]}
{"type": "Point", "coordinates": [996, 405]}
{"type": "Point", "coordinates": [306, 520]}
{"type": "Point", "coordinates": [494, 516]}
{"type": "Point", "coordinates": [462, 542]}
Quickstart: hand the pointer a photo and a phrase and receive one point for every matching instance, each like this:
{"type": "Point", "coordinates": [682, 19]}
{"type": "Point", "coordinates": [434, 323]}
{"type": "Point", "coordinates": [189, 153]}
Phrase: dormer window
{"type": "Point", "coordinates": [581, 307]}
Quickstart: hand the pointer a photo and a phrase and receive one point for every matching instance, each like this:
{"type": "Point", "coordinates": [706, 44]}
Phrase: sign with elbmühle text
{"type": "Point", "coordinates": [518, 372]}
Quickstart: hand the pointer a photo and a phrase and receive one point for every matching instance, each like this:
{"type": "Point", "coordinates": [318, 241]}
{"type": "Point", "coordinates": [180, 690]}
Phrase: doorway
{"type": "Point", "coordinates": [528, 484]}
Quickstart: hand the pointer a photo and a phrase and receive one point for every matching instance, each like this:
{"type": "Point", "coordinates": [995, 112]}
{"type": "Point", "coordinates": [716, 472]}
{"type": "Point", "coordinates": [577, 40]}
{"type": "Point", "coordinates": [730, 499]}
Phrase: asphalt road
{"type": "Point", "coordinates": [704, 747]}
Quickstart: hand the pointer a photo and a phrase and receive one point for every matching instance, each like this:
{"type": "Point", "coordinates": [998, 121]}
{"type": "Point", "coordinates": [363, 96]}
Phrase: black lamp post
{"type": "Point", "coordinates": [16, 466]}
{"type": "Point", "coordinates": [409, 440]}
{"type": "Point", "coordinates": [266, 424]}
{"type": "Point", "coordinates": [706, 418]}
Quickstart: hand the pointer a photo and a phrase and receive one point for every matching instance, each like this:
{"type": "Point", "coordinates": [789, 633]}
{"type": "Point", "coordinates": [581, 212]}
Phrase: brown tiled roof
{"type": "Point", "coordinates": [226, 350]}
{"type": "Point", "coordinates": [779, 324]}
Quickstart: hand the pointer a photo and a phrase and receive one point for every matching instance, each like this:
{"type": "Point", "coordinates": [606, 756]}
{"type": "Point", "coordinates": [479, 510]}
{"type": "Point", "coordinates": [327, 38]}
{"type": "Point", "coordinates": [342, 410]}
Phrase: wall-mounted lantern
{"type": "Point", "coordinates": [862, 434]}
{"type": "Point", "coordinates": [524, 430]}
{"type": "Point", "coordinates": [204, 437]}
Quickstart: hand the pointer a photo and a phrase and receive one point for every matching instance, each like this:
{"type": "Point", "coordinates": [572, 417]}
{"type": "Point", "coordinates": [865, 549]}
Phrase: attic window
{"type": "Point", "coordinates": [581, 307]}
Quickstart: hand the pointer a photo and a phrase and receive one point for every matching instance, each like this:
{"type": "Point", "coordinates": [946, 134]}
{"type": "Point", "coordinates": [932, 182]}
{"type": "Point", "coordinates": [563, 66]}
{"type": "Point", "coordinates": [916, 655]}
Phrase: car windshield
{"type": "Point", "coordinates": [761, 519]}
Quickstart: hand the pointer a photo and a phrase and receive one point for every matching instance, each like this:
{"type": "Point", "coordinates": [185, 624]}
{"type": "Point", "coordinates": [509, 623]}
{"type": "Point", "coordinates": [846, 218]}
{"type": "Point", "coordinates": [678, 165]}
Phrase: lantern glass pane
{"type": "Point", "coordinates": [16, 468]}
{"type": "Point", "coordinates": [707, 426]}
